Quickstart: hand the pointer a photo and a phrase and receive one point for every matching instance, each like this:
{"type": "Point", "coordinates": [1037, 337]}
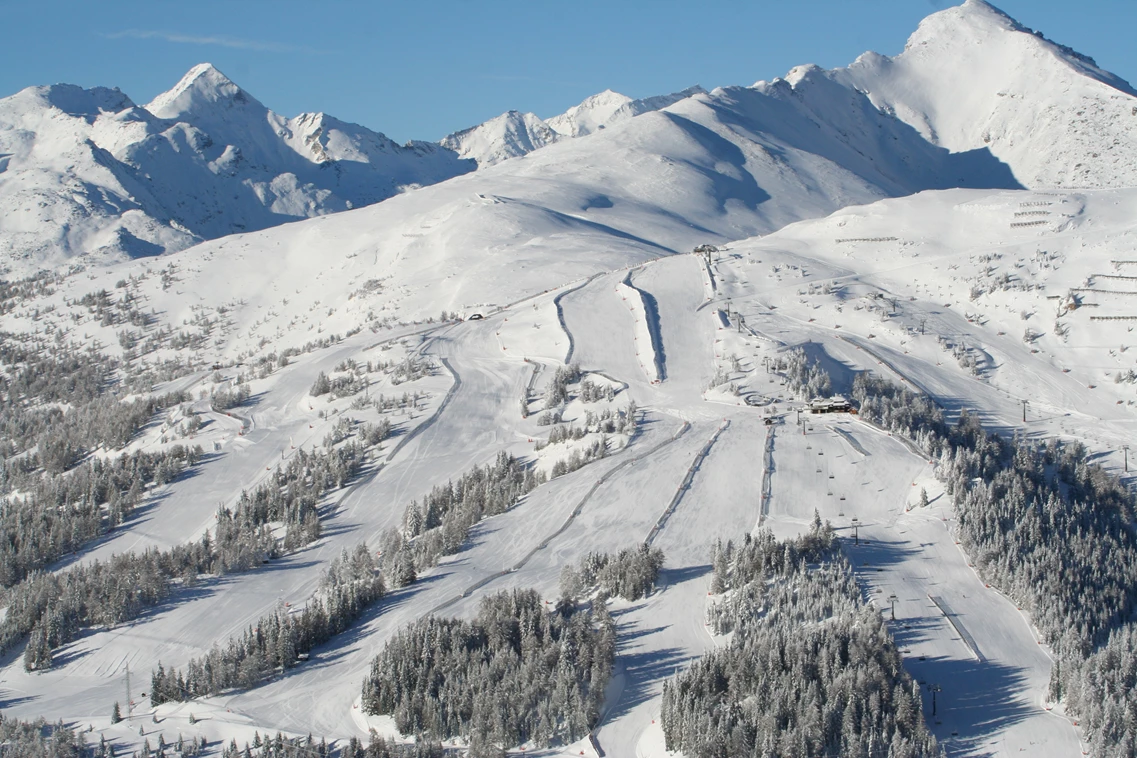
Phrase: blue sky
{"type": "Point", "coordinates": [422, 70]}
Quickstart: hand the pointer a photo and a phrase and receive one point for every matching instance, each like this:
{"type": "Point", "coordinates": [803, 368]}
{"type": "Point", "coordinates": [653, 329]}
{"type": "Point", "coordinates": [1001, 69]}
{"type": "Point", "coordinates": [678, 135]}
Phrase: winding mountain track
{"type": "Point", "coordinates": [576, 511]}
{"type": "Point", "coordinates": [561, 312]}
{"type": "Point", "coordinates": [437, 411]}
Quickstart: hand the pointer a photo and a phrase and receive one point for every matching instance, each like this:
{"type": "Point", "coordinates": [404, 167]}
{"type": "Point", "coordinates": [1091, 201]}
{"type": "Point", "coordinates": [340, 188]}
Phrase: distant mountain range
{"type": "Point", "coordinates": [975, 100]}
{"type": "Point", "coordinates": [88, 173]}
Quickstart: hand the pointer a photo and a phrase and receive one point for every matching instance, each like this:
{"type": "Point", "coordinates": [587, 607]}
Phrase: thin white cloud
{"type": "Point", "coordinates": [235, 43]}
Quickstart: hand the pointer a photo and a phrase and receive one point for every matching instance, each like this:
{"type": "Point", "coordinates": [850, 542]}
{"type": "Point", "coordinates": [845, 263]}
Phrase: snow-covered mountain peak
{"type": "Point", "coordinates": [987, 30]}
{"type": "Point", "coordinates": [514, 134]}
{"type": "Point", "coordinates": [34, 103]}
{"type": "Point", "coordinates": [95, 174]}
{"type": "Point", "coordinates": [590, 115]}
{"type": "Point", "coordinates": [510, 135]}
{"type": "Point", "coordinates": [798, 73]}
{"type": "Point", "coordinates": [203, 87]}
{"type": "Point", "coordinates": [85, 103]}
{"type": "Point", "coordinates": [977, 13]}
{"type": "Point", "coordinates": [971, 77]}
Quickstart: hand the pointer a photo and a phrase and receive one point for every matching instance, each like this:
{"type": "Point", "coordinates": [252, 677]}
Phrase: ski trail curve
{"type": "Point", "coordinates": [561, 313]}
{"type": "Point", "coordinates": [434, 416]}
{"type": "Point", "coordinates": [576, 511]}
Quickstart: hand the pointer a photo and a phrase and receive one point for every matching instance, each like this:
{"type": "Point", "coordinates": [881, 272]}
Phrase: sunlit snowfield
{"type": "Point", "coordinates": [1011, 304]}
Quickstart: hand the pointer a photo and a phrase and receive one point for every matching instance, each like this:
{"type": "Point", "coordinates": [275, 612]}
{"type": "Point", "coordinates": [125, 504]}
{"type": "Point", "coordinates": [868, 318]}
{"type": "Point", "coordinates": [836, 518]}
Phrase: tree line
{"type": "Point", "coordinates": [606, 422]}
{"type": "Point", "coordinates": [440, 524]}
{"type": "Point", "coordinates": [804, 377]}
{"type": "Point", "coordinates": [61, 407]}
{"type": "Point", "coordinates": [350, 586]}
{"type": "Point", "coordinates": [1055, 533]}
{"type": "Point", "coordinates": [182, 748]}
{"type": "Point", "coordinates": [519, 671]}
{"type": "Point", "coordinates": [38, 739]}
{"type": "Point", "coordinates": [62, 404]}
{"type": "Point", "coordinates": [292, 747]}
{"type": "Point", "coordinates": [57, 515]}
{"type": "Point", "coordinates": [1101, 689]}
{"type": "Point", "coordinates": [810, 669]}
{"type": "Point", "coordinates": [630, 574]}
{"type": "Point", "coordinates": [50, 609]}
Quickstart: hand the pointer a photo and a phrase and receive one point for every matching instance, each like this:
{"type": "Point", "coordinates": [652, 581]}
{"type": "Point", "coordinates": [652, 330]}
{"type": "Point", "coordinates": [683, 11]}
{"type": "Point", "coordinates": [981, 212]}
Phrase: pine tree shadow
{"type": "Point", "coordinates": [347, 641]}
{"type": "Point", "coordinates": [12, 702]}
{"type": "Point", "coordinates": [644, 673]}
{"type": "Point", "coordinates": [626, 638]}
{"type": "Point", "coordinates": [976, 701]}
{"type": "Point", "coordinates": [73, 650]}
{"type": "Point", "coordinates": [869, 556]}
{"type": "Point", "coordinates": [907, 632]}
{"type": "Point", "coordinates": [680, 574]}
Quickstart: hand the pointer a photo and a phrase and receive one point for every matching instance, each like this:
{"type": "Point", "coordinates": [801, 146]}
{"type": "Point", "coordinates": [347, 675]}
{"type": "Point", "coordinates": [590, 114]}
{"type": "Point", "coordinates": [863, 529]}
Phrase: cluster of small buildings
{"type": "Point", "coordinates": [835, 404]}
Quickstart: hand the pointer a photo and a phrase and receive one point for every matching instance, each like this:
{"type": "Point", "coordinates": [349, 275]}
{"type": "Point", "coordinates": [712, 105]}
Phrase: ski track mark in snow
{"type": "Point", "coordinates": [568, 522]}
{"type": "Point", "coordinates": [685, 484]}
{"type": "Point", "coordinates": [767, 477]}
{"type": "Point", "coordinates": [561, 312]}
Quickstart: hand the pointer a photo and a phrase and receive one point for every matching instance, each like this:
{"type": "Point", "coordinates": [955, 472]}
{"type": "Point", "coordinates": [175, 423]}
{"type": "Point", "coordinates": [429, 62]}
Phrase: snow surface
{"type": "Point", "coordinates": [89, 173]}
{"type": "Point", "coordinates": [811, 284]}
{"type": "Point", "coordinates": [577, 249]}
{"type": "Point", "coordinates": [972, 78]}
{"type": "Point", "coordinates": [657, 184]}
{"type": "Point", "coordinates": [514, 134]}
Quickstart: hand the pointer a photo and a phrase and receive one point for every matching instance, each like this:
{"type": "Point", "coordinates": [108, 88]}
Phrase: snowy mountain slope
{"type": "Point", "coordinates": [591, 114]}
{"type": "Point", "coordinates": [483, 241]}
{"type": "Point", "coordinates": [514, 134]}
{"type": "Point", "coordinates": [647, 104]}
{"type": "Point", "coordinates": [91, 173]}
{"type": "Point", "coordinates": [62, 193]}
{"type": "Point", "coordinates": [711, 168]}
{"type": "Point", "coordinates": [607, 108]}
{"type": "Point", "coordinates": [982, 298]}
{"type": "Point", "coordinates": [810, 111]}
{"type": "Point", "coordinates": [971, 77]}
{"type": "Point", "coordinates": [110, 179]}
{"type": "Point", "coordinates": [509, 135]}
{"type": "Point", "coordinates": [813, 284]}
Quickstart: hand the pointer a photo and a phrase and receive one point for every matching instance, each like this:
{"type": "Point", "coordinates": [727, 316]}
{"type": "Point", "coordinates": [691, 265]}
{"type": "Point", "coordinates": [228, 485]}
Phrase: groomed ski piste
{"type": "Point", "coordinates": [693, 472]}
{"type": "Point", "coordinates": [1015, 305]}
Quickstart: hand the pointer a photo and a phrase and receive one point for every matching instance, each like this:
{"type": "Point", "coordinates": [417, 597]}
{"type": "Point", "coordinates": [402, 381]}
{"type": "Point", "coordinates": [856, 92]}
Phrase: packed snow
{"type": "Point", "coordinates": [851, 217]}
